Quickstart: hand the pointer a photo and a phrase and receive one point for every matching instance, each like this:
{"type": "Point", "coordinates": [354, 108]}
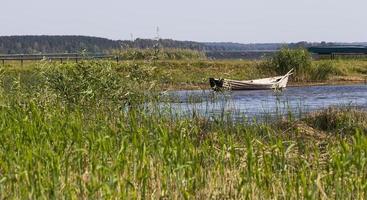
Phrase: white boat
{"type": "Point", "coordinates": [276, 83]}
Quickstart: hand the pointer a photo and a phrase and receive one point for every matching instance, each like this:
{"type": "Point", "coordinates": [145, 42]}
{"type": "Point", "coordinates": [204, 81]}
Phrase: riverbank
{"type": "Point", "coordinates": [203, 86]}
{"type": "Point", "coordinates": [194, 74]}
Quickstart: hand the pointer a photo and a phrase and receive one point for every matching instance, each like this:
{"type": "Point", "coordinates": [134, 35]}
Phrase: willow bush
{"type": "Point", "coordinates": [287, 59]}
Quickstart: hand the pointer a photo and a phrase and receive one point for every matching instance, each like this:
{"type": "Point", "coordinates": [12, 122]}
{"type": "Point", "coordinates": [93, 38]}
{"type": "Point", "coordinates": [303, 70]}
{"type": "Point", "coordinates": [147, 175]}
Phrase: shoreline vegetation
{"type": "Point", "coordinates": [190, 69]}
{"type": "Point", "coordinates": [97, 130]}
{"type": "Point", "coordinates": [307, 70]}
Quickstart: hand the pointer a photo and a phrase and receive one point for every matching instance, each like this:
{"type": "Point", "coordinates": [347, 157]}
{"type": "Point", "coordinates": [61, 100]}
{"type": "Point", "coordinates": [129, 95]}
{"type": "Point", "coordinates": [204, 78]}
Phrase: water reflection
{"type": "Point", "coordinates": [260, 103]}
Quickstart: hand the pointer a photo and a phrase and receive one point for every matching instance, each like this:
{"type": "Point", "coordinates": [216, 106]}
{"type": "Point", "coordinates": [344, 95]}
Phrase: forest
{"type": "Point", "coordinates": [74, 44]}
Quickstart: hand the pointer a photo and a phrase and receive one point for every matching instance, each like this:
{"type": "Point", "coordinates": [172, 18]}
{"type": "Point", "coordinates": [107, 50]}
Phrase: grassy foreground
{"type": "Point", "coordinates": [97, 130]}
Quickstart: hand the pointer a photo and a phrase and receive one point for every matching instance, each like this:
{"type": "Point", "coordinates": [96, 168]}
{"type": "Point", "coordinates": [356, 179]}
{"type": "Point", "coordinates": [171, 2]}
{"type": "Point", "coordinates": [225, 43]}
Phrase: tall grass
{"type": "Point", "coordinates": [305, 69]}
{"type": "Point", "coordinates": [324, 71]}
{"type": "Point", "coordinates": [95, 130]}
{"type": "Point", "coordinates": [194, 73]}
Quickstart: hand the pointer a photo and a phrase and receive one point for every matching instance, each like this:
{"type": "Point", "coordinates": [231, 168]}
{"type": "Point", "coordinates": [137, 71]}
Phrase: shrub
{"type": "Point", "coordinates": [83, 82]}
{"type": "Point", "coordinates": [87, 83]}
{"type": "Point", "coordinates": [287, 59]}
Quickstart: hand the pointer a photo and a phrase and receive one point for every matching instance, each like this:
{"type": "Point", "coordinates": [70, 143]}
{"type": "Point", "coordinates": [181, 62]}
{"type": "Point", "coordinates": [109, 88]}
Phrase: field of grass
{"type": "Point", "coordinates": [96, 130]}
{"type": "Point", "coordinates": [194, 74]}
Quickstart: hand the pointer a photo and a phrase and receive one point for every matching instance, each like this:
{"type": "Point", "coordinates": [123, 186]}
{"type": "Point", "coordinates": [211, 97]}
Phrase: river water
{"type": "Point", "coordinates": [257, 103]}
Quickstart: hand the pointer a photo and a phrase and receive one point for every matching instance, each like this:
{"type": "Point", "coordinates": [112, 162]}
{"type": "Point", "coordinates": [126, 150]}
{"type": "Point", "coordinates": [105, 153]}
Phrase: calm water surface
{"type": "Point", "coordinates": [297, 100]}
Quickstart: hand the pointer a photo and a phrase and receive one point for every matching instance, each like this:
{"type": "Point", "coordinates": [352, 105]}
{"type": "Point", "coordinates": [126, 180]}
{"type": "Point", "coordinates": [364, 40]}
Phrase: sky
{"type": "Point", "coordinates": [245, 21]}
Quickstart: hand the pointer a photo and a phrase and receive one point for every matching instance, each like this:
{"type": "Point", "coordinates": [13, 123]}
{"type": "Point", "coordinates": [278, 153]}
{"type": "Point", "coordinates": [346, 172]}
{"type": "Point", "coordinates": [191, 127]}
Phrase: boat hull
{"type": "Point", "coordinates": [278, 82]}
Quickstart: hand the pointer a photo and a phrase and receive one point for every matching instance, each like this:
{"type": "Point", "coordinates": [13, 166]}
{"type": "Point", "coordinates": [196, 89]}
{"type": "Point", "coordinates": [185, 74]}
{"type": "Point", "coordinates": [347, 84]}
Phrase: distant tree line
{"type": "Point", "coordinates": [74, 44]}
{"type": "Point", "coordinates": [162, 43]}
{"type": "Point", "coordinates": [55, 44]}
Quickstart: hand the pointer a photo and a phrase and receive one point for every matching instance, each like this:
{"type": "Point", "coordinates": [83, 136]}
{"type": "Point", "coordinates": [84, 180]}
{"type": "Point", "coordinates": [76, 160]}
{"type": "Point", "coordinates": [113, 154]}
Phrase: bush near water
{"type": "Point", "coordinates": [304, 69]}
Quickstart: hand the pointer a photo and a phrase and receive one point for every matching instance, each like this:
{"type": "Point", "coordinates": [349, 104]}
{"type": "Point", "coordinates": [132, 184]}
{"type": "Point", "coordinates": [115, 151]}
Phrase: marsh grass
{"type": "Point", "coordinates": [307, 70]}
{"type": "Point", "coordinates": [67, 133]}
{"type": "Point", "coordinates": [194, 73]}
{"type": "Point", "coordinates": [339, 121]}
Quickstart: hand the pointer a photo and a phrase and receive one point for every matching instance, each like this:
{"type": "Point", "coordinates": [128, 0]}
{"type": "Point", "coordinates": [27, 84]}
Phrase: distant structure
{"type": "Point", "coordinates": [339, 50]}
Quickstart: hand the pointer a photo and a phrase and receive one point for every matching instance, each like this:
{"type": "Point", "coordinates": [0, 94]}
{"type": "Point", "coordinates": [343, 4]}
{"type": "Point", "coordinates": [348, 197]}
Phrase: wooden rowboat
{"type": "Point", "coordinates": [277, 82]}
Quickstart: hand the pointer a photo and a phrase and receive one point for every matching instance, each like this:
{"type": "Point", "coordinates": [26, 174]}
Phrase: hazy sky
{"type": "Point", "coordinates": [199, 20]}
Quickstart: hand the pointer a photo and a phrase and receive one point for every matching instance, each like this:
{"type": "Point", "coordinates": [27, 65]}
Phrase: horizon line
{"type": "Point", "coordinates": [101, 37]}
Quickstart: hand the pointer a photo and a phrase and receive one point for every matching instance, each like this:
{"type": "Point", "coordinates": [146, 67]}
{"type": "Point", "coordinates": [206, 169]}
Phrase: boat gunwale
{"type": "Point", "coordinates": [254, 84]}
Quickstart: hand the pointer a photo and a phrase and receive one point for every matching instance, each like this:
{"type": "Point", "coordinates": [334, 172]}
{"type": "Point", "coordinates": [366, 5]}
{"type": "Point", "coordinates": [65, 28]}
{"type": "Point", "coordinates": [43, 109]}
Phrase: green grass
{"type": "Point", "coordinates": [308, 70]}
{"type": "Point", "coordinates": [95, 130]}
{"type": "Point", "coordinates": [194, 74]}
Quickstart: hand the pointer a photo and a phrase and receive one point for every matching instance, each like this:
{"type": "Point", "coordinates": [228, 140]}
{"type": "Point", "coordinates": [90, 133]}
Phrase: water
{"type": "Point", "coordinates": [250, 104]}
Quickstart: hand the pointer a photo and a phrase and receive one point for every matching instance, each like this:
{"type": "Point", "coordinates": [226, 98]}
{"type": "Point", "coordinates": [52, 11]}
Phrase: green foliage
{"type": "Point", "coordinates": [287, 59]}
{"type": "Point", "coordinates": [87, 83]}
{"type": "Point", "coordinates": [194, 74]}
{"type": "Point", "coordinates": [84, 82]}
{"type": "Point", "coordinates": [324, 70]}
{"type": "Point", "coordinates": [117, 150]}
